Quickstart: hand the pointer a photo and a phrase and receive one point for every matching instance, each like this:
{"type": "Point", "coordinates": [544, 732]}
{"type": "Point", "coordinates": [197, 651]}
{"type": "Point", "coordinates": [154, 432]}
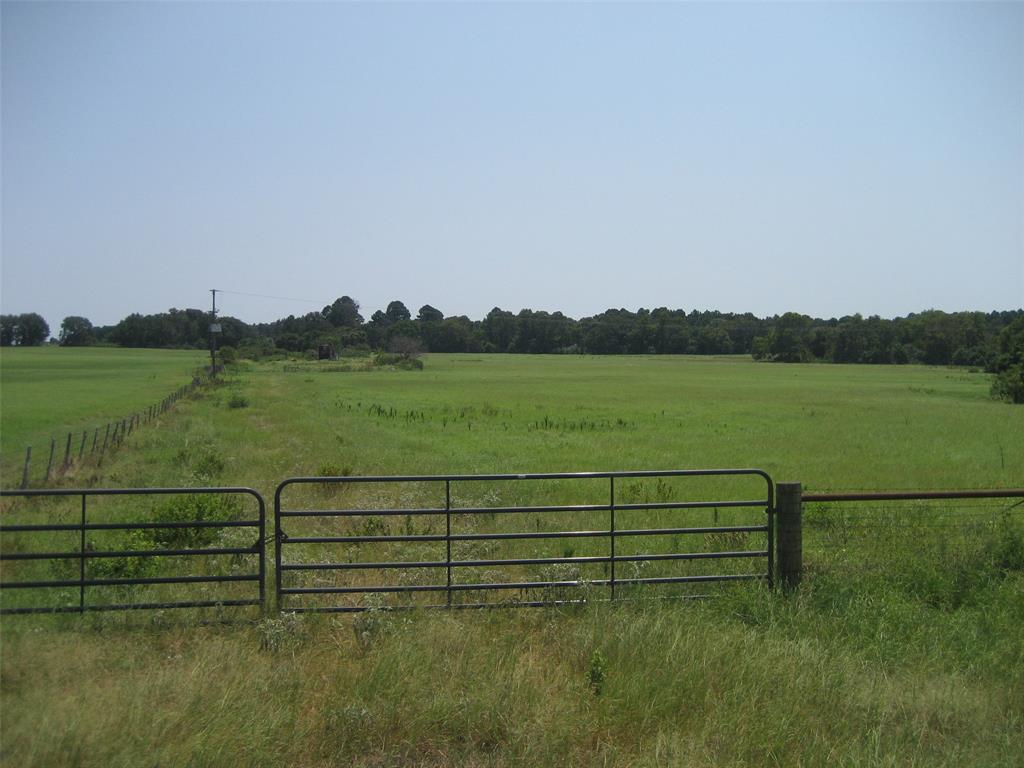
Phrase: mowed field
{"type": "Point", "coordinates": [903, 646]}
{"type": "Point", "coordinates": [49, 391]}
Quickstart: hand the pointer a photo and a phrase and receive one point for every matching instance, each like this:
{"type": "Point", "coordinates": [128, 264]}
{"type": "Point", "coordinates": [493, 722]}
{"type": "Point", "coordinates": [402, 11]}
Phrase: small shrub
{"type": "Point", "coordinates": [123, 567]}
{"type": "Point", "coordinates": [1009, 385]}
{"type": "Point", "coordinates": [207, 465]}
{"type": "Point", "coordinates": [202, 507]}
{"type": "Point", "coordinates": [330, 469]}
{"type": "Point", "coordinates": [238, 401]}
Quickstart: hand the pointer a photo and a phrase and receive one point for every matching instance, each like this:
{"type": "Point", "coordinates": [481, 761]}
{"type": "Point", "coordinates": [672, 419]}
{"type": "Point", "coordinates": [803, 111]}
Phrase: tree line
{"type": "Point", "coordinates": [993, 340]}
{"type": "Point", "coordinates": [932, 337]}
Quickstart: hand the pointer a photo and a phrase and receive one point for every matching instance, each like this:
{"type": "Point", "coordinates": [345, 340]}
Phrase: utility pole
{"type": "Point", "coordinates": [214, 330]}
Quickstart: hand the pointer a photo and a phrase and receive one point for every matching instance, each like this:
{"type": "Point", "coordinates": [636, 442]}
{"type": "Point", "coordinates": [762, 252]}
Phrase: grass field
{"type": "Point", "coordinates": [903, 647]}
{"type": "Point", "coordinates": [49, 391]}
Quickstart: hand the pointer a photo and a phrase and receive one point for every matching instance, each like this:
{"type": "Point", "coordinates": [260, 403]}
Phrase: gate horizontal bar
{"type": "Point", "coordinates": [529, 476]}
{"type": "Point", "coordinates": [517, 536]}
{"type": "Point", "coordinates": [510, 510]}
{"type": "Point", "coordinates": [131, 606]}
{"type": "Point", "coordinates": [233, 489]}
{"type": "Point", "coordinates": [400, 588]}
{"type": "Point", "coordinates": [132, 526]}
{"type": "Point", "coordinates": [127, 581]}
{"type": "Point", "coordinates": [583, 559]}
{"type": "Point", "coordinates": [507, 604]}
{"type": "Point", "coordinates": [254, 550]}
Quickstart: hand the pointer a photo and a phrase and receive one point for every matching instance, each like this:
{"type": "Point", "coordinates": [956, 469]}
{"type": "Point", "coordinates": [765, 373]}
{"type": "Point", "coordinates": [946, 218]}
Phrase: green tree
{"type": "Point", "coordinates": [1008, 363]}
{"type": "Point", "coordinates": [343, 313]}
{"type": "Point", "coordinates": [397, 312]}
{"type": "Point", "coordinates": [31, 330]}
{"type": "Point", "coordinates": [428, 314]}
{"type": "Point", "coordinates": [76, 332]}
{"type": "Point", "coordinates": [7, 325]}
{"type": "Point", "coordinates": [788, 339]}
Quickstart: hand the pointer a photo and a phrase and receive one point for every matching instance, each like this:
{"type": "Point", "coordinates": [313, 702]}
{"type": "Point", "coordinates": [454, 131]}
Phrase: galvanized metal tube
{"type": "Point", "coordinates": [611, 532]}
{"type": "Point", "coordinates": [81, 563]}
{"type": "Point", "coordinates": [448, 535]}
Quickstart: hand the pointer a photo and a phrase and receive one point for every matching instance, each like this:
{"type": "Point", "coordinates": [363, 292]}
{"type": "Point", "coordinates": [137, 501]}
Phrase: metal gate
{"type": "Point", "coordinates": [355, 543]}
{"type": "Point", "coordinates": [209, 541]}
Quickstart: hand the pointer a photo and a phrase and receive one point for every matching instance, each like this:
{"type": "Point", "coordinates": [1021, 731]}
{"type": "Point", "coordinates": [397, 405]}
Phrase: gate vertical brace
{"type": "Point", "coordinates": [81, 563]}
{"type": "Point", "coordinates": [448, 536]}
{"type": "Point", "coordinates": [611, 530]}
{"type": "Point", "coordinates": [261, 552]}
{"type": "Point", "coordinates": [278, 546]}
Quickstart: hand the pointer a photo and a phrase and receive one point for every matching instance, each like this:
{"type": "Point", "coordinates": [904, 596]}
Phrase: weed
{"type": "Point", "coordinates": [369, 625]}
{"type": "Point", "coordinates": [283, 632]}
{"type": "Point", "coordinates": [596, 672]}
{"type": "Point", "coordinates": [238, 401]}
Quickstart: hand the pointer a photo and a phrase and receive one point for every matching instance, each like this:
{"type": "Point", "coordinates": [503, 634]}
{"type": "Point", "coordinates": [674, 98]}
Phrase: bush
{"type": "Point", "coordinates": [195, 507]}
{"type": "Point", "coordinates": [238, 401]}
{"type": "Point", "coordinates": [1009, 385]}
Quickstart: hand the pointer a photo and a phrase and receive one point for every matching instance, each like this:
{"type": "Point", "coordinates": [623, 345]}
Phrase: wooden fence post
{"type": "Point", "coordinates": [24, 473]}
{"type": "Point", "coordinates": [789, 541]}
{"type": "Point", "coordinates": [49, 464]}
{"type": "Point", "coordinates": [81, 448]}
{"type": "Point", "coordinates": [67, 453]}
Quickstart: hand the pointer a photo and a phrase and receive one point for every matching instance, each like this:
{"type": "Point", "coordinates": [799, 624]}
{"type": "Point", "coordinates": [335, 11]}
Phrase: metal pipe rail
{"type": "Point", "coordinates": [83, 554]}
{"type": "Point", "coordinates": [994, 493]}
{"type": "Point", "coordinates": [612, 533]}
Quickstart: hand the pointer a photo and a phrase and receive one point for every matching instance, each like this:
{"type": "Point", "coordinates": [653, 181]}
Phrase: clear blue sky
{"type": "Point", "coordinates": [823, 158]}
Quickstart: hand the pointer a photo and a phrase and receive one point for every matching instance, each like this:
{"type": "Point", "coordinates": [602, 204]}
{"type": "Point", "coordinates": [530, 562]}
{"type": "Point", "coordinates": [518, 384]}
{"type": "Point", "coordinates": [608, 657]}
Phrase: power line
{"type": "Point", "coordinates": [318, 303]}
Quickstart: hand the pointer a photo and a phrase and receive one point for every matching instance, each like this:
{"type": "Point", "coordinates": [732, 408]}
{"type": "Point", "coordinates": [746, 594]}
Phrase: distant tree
{"type": "Point", "coordinates": [787, 341]}
{"type": "Point", "coordinates": [343, 313]}
{"type": "Point", "coordinates": [397, 312]}
{"type": "Point", "coordinates": [8, 323]}
{"type": "Point", "coordinates": [1008, 363]}
{"type": "Point", "coordinates": [500, 329]}
{"type": "Point", "coordinates": [428, 314]}
{"type": "Point", "coordinates": [31, 330]}
{"type": "Point", "coordinates": [76, 332]}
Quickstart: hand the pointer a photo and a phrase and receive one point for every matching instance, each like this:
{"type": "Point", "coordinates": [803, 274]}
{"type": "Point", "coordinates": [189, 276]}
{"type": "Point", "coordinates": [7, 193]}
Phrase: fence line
{"type": "Point", "coordinates": [122, 429]}
{"type": "Point", "coordinates": [789, 508]}
{"type": "Point", "coordinates": [783, 551]}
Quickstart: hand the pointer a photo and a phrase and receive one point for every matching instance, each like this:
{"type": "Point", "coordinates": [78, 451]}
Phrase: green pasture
{"type": "Point", "coordinates": [828, 426]}
{"type": "Point", "coordinates": [49, 391]}
{"type": "Point", "coordinates": [902, 647]}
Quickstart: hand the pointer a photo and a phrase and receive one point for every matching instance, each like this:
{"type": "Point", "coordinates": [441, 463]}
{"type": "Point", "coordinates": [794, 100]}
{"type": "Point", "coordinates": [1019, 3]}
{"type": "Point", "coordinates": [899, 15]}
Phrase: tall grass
{"type": "Point", "coordinates": [902, 647]}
